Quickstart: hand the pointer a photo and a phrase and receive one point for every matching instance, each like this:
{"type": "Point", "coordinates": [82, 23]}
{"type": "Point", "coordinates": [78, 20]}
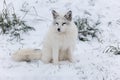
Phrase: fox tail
{"type": "Point", "coordinates": [27, 55]}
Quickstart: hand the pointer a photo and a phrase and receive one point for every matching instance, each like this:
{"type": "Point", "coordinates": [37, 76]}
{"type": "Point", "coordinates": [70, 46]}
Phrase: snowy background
{"type": "Point", "coordinates": [92, 61]}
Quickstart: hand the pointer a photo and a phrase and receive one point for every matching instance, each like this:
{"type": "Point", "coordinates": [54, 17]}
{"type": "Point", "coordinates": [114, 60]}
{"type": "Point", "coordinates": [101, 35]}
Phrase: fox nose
{"type": "Point", "coordinates": [58, 29]}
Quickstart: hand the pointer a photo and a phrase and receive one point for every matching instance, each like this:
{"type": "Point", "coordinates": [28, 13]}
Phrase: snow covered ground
{"type": "Point", "coordinates": [91, 61]}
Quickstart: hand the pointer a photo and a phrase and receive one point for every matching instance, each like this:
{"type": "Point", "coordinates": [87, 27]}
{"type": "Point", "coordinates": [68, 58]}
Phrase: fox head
{"type": "Point", "coordinates": [61, 22]}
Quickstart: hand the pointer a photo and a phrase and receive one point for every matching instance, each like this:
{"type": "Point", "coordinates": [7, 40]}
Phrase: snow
{"type": "Point", "coordinates": [91, 61]}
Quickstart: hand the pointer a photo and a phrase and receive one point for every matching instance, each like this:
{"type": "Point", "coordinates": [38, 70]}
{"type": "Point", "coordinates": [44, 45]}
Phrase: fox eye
{"type": "Point", "coordinates": [63, 24]}
{"type": "Point", "coordinates": [56, 23]}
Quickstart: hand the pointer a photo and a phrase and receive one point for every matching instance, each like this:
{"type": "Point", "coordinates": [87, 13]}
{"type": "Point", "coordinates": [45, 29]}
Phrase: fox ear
{"type": "Point", "coordinates": [68, 16]}
{"type": "Point", "coordinates": [55, 14]}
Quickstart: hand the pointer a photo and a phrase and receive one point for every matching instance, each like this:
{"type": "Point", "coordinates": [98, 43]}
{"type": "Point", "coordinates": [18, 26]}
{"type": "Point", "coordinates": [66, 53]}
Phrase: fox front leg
{"type": "Point", "coordinates": [55, 55]}
{"type": "Point", "coordinates": [70, 54]}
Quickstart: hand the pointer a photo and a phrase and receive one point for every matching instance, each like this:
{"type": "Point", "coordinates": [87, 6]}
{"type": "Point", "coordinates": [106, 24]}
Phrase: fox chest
{"type": "Point", "coordinates": [62, 42]}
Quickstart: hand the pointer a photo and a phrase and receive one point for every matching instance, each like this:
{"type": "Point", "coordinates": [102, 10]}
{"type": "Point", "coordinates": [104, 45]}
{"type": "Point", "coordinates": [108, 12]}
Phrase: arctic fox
{"type": "Point", "coordinates": [59, 43]}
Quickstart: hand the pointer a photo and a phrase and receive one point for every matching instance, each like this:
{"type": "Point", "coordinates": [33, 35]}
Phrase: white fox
{"type": "Point", "coordinates": [59, 43]}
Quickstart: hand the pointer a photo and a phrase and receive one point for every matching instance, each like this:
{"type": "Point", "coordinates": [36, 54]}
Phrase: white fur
{"type": "Point", "coordinates": [26, 55]}
{"type": "Point", "coordinates": [57, 45]}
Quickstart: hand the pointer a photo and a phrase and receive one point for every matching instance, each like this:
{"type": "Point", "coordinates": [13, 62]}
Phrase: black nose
{"type": "Point", "coordinates": [58, 29]}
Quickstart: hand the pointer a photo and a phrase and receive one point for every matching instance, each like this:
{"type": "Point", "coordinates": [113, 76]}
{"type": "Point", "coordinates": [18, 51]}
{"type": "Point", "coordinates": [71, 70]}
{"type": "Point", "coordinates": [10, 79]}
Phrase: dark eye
{"type": "Point", "coordinates": [63, 24]}
{"type": "Point", "coordinates": [56, 23]}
